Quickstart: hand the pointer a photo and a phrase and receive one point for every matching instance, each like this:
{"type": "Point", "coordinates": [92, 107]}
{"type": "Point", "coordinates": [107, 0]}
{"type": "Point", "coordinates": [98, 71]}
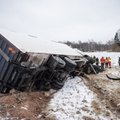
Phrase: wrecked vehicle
{"type": "Point", "coordinates": [42, 67]}
{"type": "Point", "coordinates": [31, 70]}
{"type": "Point", "coordinates": [85, 65]}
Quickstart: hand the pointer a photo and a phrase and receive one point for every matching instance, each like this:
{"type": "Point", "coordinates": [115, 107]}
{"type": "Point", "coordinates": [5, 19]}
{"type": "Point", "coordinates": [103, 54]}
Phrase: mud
{"type": "Point", "coordinates": [108, 91]}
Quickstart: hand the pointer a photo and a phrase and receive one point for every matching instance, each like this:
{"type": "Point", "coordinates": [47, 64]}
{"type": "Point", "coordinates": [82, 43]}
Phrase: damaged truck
{"type": "Point", "coordinates": [27, 66]}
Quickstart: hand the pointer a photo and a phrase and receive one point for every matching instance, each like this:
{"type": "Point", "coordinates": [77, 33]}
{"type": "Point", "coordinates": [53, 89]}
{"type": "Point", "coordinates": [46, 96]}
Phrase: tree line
{"type": "Point", "coordinates": [91, 45]}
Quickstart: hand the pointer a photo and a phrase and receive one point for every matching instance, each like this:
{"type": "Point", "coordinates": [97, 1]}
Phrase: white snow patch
{"type": "Point", "coordinates": [116, 73]}
{"type": "Point", "coordinates": [73, 102]}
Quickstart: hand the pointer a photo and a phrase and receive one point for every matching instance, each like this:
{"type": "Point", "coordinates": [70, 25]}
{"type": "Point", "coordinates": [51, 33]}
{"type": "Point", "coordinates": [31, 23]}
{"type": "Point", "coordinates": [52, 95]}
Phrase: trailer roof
{"type": "Point", "coordinates": [30, 43]}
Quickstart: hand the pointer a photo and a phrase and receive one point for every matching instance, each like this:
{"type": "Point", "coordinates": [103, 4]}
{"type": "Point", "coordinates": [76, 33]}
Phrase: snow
{"type": "Point", "coordinates": [69, 101]}
{"type": "Point", "coordinates": [74, 100]}
{"type": "Point", "coordinates": [31, 43]}
{"type": "Point", "coordinates": [116, 73]}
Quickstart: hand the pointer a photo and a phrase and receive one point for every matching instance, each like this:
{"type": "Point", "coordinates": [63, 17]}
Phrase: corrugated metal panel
{"type": "Point", "coordinates": [8, 52]}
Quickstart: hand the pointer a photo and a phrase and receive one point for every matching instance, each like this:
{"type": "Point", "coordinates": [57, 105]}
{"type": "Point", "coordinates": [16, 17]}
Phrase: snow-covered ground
{"type": "Point", "coordinates": [75, 101]}
{"type": "Point", "coordinates": [71, 99]}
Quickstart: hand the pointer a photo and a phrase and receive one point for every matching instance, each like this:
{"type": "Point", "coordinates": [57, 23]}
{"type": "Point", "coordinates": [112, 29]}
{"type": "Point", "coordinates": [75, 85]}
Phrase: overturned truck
{"type": "Point", "coordinates": [29, 65]}
{"type": "Point", "coordinates": [31, 70]}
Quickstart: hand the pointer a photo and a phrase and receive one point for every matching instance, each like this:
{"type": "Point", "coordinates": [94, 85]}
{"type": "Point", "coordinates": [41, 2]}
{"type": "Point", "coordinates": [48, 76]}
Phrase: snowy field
{"type": "Point", "coordinates": [75, 100]}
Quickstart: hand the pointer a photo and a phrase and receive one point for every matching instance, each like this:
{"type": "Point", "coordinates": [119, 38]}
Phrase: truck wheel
{"type": "Point", "coordinates": [70, 64]}
{"type": "Point", "coordinates": [42, 86]}
{"type": "Point", "coordinates": [55, 61]}
{"type": "Point", "coordinates": [4, 89]}
{"type": "Point", "coordinates": [57, 85]}
{"type": "Point", "coordinates": [61, 63]}
{"type": "Point", "coordinates": [47, 86]}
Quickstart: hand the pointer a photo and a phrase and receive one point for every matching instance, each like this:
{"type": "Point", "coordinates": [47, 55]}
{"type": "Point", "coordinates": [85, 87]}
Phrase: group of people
{"type": "Point", "coordinates": [104, 61]}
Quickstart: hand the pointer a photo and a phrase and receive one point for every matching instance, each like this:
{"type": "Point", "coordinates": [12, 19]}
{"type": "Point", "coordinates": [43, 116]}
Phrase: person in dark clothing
{"type": "Point", "coordinates": [97, 61]}
{"type": "Point", "coordinates": [106, 62]}
{"type": "Point", "coordinates": [119, 61]}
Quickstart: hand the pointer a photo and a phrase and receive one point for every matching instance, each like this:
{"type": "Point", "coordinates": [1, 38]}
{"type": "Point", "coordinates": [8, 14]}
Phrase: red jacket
{"type": "Point", "coordinates": [102, 60]}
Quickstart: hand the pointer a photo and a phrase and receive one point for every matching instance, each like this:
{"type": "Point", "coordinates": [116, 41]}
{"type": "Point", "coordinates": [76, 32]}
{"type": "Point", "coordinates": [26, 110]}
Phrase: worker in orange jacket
{"type": "Point", "coordinates": [106, 62]}
{"type": "Point", "coordinates": [102, 61]}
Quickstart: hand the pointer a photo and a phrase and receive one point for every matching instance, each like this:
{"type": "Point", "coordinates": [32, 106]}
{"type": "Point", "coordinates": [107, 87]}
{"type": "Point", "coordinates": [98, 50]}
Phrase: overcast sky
{"type": "Point", "coordinates": [62, 20]}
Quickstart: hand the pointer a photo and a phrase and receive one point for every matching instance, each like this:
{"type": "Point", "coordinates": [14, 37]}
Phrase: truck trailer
{"type": "Point", "coordinates": [26, 64]}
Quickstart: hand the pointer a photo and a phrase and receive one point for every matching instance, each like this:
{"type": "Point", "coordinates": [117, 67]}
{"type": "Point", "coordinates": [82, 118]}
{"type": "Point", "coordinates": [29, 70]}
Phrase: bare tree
{"type": "Point", "coordinates": [91, 45]}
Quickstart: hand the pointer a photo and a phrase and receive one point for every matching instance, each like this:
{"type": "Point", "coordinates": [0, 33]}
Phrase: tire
{"type": "Point", "coordinates": [42, 86]}
{"type": "Point", "coordinates": [47, 86]}
{"type": "Point", "coordinates": [61, 63]}
{"type": "Point", "coordinates": [55, 62]}
{"type": "Point", "coordinates": [36, 78]}
{"type": "Point", "coordinates": [57, 85]}
{"type": "Point", "coordinates": [4, 90]}
{"type": "Point", "coordinates": [70, 64]}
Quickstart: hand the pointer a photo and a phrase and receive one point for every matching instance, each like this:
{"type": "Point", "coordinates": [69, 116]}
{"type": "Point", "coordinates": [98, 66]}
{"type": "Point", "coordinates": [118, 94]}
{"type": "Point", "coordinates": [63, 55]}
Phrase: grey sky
{"type": "Point", "coordinates": [62, 19]}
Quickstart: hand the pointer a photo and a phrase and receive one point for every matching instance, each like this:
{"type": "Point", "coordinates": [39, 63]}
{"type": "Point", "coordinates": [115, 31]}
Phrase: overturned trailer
{"type": "Point", "coordinates": [28, 64]}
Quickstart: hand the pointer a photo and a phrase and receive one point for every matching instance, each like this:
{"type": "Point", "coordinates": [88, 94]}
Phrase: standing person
{"type": "Point", "coordinates": [97, 61]}
{"type": "Point", "coordinates": [102, 60]}
{"type": "Point", "coordinates": [106, 62]}
{"type": "Point", "coordinates": [119, 61]}
{"type": "Point", "coordinates": [109, 62]}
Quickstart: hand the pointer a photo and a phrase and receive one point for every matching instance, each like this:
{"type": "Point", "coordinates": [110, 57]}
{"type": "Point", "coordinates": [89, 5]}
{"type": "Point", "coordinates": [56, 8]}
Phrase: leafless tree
{"type": "Point", "coordinates": [91, 45]}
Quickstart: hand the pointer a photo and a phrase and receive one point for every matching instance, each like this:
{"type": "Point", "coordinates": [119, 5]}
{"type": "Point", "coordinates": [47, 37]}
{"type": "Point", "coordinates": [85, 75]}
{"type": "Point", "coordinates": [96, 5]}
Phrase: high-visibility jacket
{"type": "Point", "coordinates": [109, 59]}
{"type": "Point", "coordinates": [102, 60]}
{"type": "Point", "coordinates": [106, 60]}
